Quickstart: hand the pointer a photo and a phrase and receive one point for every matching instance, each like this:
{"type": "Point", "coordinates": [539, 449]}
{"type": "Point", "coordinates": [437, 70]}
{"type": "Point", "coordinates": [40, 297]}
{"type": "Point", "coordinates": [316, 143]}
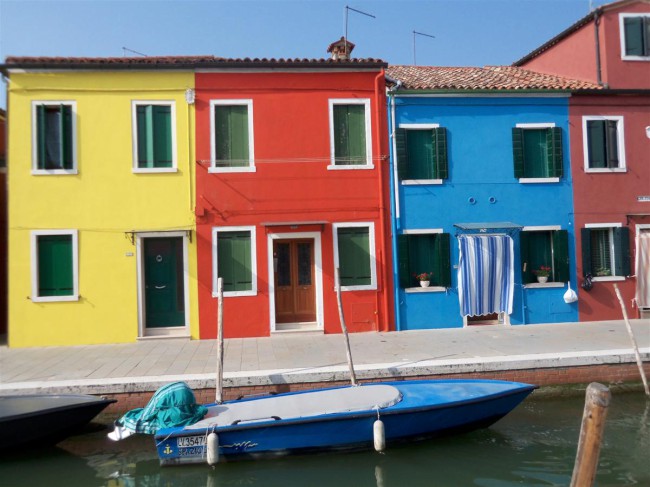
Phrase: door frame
{"type": "Point", "coordinates": [173, 331]}
{"type": "Point", "coordinates": [318, 273]}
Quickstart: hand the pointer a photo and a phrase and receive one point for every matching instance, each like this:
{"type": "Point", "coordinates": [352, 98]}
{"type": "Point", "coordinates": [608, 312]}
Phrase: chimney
{"type": "Point", "coordinates": [338, 49]}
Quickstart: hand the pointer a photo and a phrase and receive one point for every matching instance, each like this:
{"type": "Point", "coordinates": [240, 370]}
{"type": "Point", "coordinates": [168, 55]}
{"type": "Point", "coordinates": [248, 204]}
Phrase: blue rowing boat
{"type": "Point", "coordinates": [349, 417]}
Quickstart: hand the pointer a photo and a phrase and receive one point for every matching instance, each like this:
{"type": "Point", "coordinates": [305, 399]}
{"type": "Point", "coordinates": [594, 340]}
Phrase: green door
{"type": "Point", "coordinates": [163, 282]}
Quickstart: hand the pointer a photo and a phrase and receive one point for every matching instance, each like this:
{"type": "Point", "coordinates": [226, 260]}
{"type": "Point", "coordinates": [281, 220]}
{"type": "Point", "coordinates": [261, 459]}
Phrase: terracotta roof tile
{"type": "Point", "coordinates": [500, 78]}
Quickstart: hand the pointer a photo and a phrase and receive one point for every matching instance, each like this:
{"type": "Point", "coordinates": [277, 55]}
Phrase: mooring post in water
{"type": "Point", "coordinates": [219, 385]}
{"type": "Point", "coordinates": [353, 377]}
{"type": "Point", "coordinates": [639, 362]}
{"type": "Point", "coordinates": [591, 435]}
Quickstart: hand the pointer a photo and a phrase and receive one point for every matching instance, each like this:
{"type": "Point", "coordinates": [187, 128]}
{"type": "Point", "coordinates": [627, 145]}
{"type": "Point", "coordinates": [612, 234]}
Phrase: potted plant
{"type": "Point", "coordinates": [542, 273]}
{"type": "Point", "coordinates": [424, 278]}
{"type": "Point", "coordinates": [603, 271]}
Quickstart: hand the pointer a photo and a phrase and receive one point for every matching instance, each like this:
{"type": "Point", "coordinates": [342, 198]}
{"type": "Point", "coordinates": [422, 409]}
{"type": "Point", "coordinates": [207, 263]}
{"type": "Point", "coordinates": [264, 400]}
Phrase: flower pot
{"type": "Point", "coordinates": [542, 279]}
{"type": "Point", "coordinates": [424, 283]}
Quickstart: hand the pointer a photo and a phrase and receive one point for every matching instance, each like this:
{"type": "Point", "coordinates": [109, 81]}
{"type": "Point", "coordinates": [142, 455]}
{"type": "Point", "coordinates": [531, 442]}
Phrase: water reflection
{"type": "Point", "coordinates": [534, 446]}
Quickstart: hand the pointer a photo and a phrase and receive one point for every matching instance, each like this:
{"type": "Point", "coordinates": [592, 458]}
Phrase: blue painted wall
{"type": "Point", "coordinates": [479, 138]}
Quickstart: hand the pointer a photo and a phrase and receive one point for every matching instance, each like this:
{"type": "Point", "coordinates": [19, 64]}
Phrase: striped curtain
{"type": "Point", "coordinates": [485, 274]}
{"type": "Point", "coordinates": [643, 269]}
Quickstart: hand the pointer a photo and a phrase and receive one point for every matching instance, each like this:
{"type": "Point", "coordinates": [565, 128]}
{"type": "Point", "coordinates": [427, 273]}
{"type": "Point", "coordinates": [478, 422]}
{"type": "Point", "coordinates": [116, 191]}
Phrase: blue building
{"type": "Point", "coordinates": [481, 196]}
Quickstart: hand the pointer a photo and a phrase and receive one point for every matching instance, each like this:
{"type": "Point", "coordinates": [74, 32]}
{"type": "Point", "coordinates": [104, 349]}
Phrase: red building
{"type": "Point", "coordinates": [292, 183]}
{"type": "Point", "coordinates": [610, 151]}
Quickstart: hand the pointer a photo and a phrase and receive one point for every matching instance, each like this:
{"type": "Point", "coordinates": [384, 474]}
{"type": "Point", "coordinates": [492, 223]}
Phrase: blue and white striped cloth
{"type": "Point", "coordinates": [485, 274]}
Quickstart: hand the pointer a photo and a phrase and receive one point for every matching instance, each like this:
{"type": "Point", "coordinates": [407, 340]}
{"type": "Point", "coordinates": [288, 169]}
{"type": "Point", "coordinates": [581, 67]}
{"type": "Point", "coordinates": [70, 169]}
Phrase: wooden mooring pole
{"type": "Point", "coordinates": [353, 377]}
{"type": "Point", "coordinates": [219, 385]}
{"type": "Point", "coordinates": [639, 362]}
{"type": "Point", "coordinates": [591, 435]}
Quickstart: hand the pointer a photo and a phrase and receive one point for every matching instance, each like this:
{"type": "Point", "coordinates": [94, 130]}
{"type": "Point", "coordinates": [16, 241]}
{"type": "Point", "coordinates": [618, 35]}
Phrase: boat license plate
{"type": "Point", "coordinates": [190, 441]}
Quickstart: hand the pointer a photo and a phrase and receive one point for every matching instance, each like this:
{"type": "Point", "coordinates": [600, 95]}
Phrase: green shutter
{"type": "Point", "coordinates": [354, 256]}
{"type": "Point", "coordinates": [234, 260]}
{"type": "Point", "coordinates": [440, 149]}
{"type": "Point", "coordinates": [162, 136]}
{"type": "Point", "coordinates": [646, 35]}
{"type": "Point", "coordinates": [65, 122]}
{"type": "Point", "coordinates": [585, 236]}
{"type": "Point", "coordinates": [611, 143]}
{"type": "Point", "coordinates": [596, 140]}
{"type": "Point", "coordinates": [55, 265]}
{"type": "Point", "coordinates": [518, 151]}
{"type": "Point", "coordinates": [560, 255]}
{"type": "Point", "coordinates": [554, 152]}
{"type": "Point", "coordinates": [145, 134]}
{"type": "Point", "coordinates": [405, 279]}
{"type": "Point", "coordinates": [231, 136]}
{"type": "Point", "coordinates": [349, 134]}
{"type": "Point", "coordinates": [443, 258]}
{"type": "Point", "coordinates": [634, 36]}
{"type": "Point", "coordinates": [621, 251]}
{"type": "Point", "coordinates": [401, 154]}
{"type": "Point", "coordinates": [535, 153]}
{"type": "Point", "coordinates": [41, 133]}
{"type": "Point", "coordinates": [527, 275]}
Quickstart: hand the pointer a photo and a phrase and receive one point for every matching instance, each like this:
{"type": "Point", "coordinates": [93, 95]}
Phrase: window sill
{"type": "Point", "coordinates": [53, 299]}
{"type": "Point", "coordinates": [420, 182]}
{"type": "Point", "coordinates": [54, 172]}
{"type": "Point", "coordinates": [358, 288]}
{"type": "Point", "coordinates": [334, 167]}
{"type": "Point", "coordinates": [635, 58]}
{"type": "Point", "coordinates": [605, 170]}
{"type": "Point", "coordinates": [154, 170]}
{"type": "Point", "coordinates": [236, 294]}
{"type": "Point", "coordinates": [430, 289]}
{"type": "Point", "coordinates": [537, 285]}
{"type": "Point", "coordinates": [608, 278]}
{"type": "Point", "coordinates": [213, 169]}
{"type": "Point", "coordinates": [538, 180]}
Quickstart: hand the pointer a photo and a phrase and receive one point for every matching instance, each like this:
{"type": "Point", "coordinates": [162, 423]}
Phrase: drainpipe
{"type": "Point", "coordinates": [382, 206]}
{"type": "Point", "coordinates": [597, 15]}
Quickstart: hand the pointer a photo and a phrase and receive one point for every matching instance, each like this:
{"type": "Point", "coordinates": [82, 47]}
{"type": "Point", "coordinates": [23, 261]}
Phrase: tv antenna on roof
{"type": "Point", "coordinates": [422, 34]}
{"type": "Point", "coordinates": [124, 49]}
{"type": "Point", "coordinates": [346, 24]}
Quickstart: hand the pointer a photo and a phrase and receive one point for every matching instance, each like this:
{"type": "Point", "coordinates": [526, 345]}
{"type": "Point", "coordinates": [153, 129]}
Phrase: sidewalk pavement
{"type": "Point", "coordinates": [309, 357]}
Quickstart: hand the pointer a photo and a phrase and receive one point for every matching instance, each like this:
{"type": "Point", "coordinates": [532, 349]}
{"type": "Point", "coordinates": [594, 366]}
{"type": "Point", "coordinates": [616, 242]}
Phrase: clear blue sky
{"type": "Point", "coordinates": [467, 32]}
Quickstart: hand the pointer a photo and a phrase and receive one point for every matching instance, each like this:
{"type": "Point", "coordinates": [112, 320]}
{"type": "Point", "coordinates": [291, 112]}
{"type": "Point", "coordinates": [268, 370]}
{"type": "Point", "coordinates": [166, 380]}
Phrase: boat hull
{"type": "Point", "coordinates": [42, 420]}
{"type": "Point", "coordinates": [423, 412]}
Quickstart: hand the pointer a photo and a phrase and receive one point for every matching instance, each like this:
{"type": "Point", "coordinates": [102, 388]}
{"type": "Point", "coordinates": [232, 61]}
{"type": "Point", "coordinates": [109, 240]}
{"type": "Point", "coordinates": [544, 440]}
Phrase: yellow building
{"type": "Point", "coordinates": [101, 174]}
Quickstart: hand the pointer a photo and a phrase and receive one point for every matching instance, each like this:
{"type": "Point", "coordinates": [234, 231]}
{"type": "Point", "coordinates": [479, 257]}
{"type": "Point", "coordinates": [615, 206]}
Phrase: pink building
{"type": "Point", "coordinates": [610, 152]}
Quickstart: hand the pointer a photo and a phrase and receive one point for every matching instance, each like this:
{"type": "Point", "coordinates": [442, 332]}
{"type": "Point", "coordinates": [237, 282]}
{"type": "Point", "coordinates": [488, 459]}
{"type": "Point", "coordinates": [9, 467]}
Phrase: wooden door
{"type": "Point", "coordinates": [295, 292]}
{"type": "Point", "coordinates": [163, 281]}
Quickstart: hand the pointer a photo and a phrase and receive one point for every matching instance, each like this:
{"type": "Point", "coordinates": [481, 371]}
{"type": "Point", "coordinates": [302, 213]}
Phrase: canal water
{"type": "Point", "coordinates": [535, 445]}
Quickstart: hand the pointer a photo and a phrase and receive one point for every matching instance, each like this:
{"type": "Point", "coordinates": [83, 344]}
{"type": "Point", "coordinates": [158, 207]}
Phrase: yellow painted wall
{"type": "Point", "coordinates": [104, 201]}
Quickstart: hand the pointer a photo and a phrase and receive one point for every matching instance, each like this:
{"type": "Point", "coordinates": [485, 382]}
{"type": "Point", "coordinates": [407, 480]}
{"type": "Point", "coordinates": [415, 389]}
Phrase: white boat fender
{"type": "Point", "coordinates": [213, 449]}
{"type": "Point", "coordinates": [379, 435]}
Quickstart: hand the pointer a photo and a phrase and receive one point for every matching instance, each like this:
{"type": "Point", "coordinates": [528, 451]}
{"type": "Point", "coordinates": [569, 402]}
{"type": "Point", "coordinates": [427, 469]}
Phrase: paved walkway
{"type": "Point", "coordinates": [294, 357]}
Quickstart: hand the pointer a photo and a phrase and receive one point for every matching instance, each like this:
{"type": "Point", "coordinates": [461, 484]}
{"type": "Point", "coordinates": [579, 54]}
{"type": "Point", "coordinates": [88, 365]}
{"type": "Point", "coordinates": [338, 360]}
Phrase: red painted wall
{"type": "Point", "coordinates": [611, 197]}
{"type": "Point", "coordinates": [292, 184]}
{"type": "Point", "coordinates": [575, 55]}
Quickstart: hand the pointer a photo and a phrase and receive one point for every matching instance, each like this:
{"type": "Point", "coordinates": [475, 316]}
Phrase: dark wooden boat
{"type": "Point", "coordinates": [37, 420]}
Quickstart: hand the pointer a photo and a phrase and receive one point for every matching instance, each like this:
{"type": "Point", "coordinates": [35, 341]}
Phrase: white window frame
{"type": "Point", "coordinates": [215, 260]}
{"type": "Point", "coordinates": [134, 134]}
{"type": "Point", "coordinates": [251, 137]}
{"type": "Point", "coordinates": [620, 134]}
{"type": "Point", "coordinates": [332, 102]}
{"type": "Point", "coordinates": [610, 227]}
{"type": "Point", "coordinates": [371, 245]}
{"type": "Point", "coordinates": [538, 126]}
{"type": "Point", "coordinates": [75, 266]}
{"type": "Point", "coordinates": [424, 231]}
{"type": "Point", "coordinates": [621, 23]}
{"type": "Point", "coordinates": [417, 126]}
{"type": "Point", "coordinates": [53, 172]}
{"type": "Point", "coordinates": [549, 229]}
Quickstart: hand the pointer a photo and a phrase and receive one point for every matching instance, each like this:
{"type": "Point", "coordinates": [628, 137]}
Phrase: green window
{"type": "Point", "coordinates": [55, 272]}
{"type": "Point", "coordinates": [544, 249]}
{"type": "Point", "coordinates": [154, 136]}
{"type": "Point", "coordinates": [421, 153]}
{"type": "Point", "coordinates": [349, 132]}
{"type": "Point", "coordinates": [54, 139]}
{"type": "Point", "coordinates": [606, 251]}
{"type": "Point", "coordinates": [637, 35]}
{"type": "Point", "coordinates": [424, 253]}
{"type": "Point", "coordinates": [537, 152]}
{"type": "Point", "coordinates": [234, 260]}
{"type": "Point", "coordinates": [602, 144]}
{"type": "Point", "coordinates": [354, 256]}
{"type": "Point", "coordinates": [231, 137]}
